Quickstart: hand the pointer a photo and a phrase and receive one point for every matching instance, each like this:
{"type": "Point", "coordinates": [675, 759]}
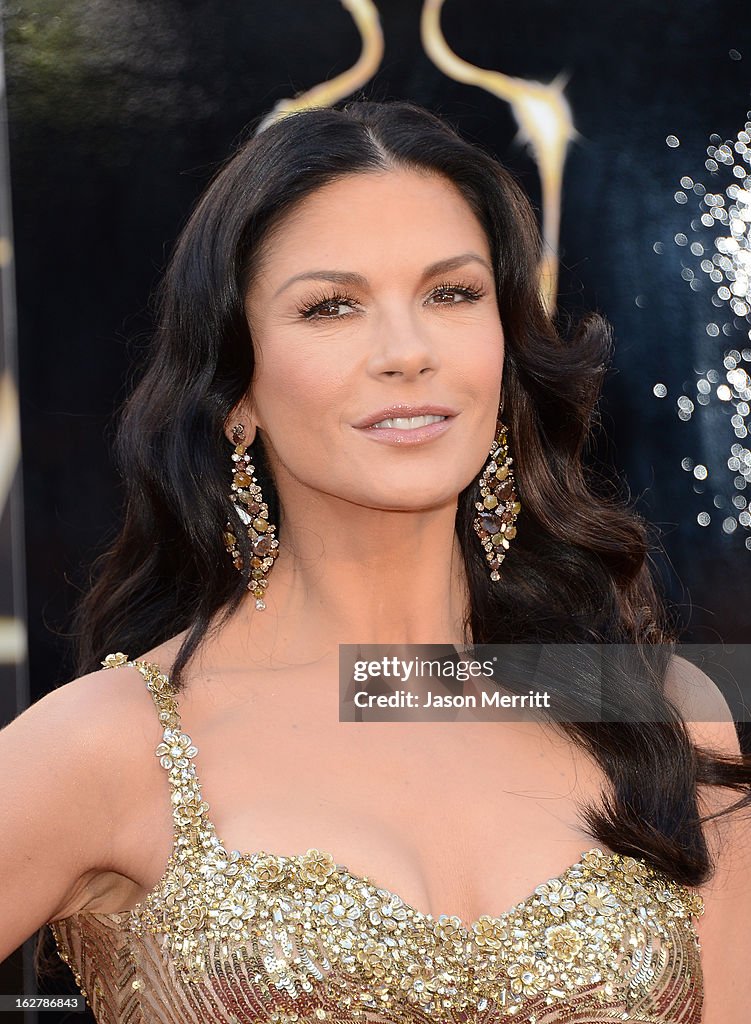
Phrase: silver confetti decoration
{"type": "Point", "coordinates": [716, 256]}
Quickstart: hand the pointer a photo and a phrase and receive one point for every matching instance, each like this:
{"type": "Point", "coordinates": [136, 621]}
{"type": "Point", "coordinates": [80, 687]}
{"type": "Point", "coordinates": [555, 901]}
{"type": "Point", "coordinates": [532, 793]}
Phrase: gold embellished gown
{"type": "Point", "coordinates": [239, 938]}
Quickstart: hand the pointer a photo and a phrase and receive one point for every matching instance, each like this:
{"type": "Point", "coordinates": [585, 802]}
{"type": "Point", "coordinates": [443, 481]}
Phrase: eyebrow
{"type": "Point", "coordinates": [351, 279]}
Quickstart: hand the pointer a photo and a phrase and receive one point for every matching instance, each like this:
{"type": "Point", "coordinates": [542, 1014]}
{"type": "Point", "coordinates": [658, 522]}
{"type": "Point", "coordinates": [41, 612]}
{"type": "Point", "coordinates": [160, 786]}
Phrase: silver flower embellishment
{"type": "Point", "coordinates": [114, 660]}
{"type": "Point", "coordinates": [449, 927]}
{"type": "Point", "coordinates": [596, 898]}
{"type": "Point", "coordinates": [235, 910]}
{"type": "Point", "coordinates": [596, 862]}
{"type": "Point", "coordinates": [316, 866]}
{"type": "Point", "coordinates": [488, 932]}
{"type": "Point", "coordinates": [340, 909]}
{"type": "Point", "coordinates": [557, 896]}
{"type": "Point", "coordinates": [525, 975]}
{"type": "Point", "coordinates": [175, 750]}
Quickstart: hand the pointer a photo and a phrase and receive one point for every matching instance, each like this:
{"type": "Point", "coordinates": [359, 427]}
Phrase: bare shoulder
{"type": "Point", "coordinates": [702, 706]}
{"type": "Point", "coordinates": [104, 726]}
{"type": "Point", "coordinates": [727, 894]}
{"type": "Point", "coordinates": [711, 727]}
{"type": "Point", "coordinates": [106, 722]}
{"type": "Point", "coordinates": [105, 703]}
{"type": "Point", "coordinates": [69, 763]}
{"type": "Point", "coordinates": [87, 713]}
{"type": "Point", "coordinates": [110, 723]}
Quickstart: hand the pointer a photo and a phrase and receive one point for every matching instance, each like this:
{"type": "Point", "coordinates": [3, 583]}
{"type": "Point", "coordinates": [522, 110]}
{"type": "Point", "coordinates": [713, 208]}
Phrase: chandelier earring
{"type": "Point", "coordinates": [499, 506]}
{"type": "Point", "coordinates": [253, 513]}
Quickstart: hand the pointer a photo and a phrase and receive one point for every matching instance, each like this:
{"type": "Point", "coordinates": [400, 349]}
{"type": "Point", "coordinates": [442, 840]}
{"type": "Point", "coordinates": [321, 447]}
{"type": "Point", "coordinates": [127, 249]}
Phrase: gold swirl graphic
{"type": "Point", "coordinates": [545, 124]}
{"type": "Point", "coordinates": [12, 631]}
{"type": "Point", "coordinates": [325, 94]}
{"type": "Point", "coordinates": [10, 436]}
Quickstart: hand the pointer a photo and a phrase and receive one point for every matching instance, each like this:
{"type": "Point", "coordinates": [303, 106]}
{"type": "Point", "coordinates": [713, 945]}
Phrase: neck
{"type": "Point", "coordinates": [350, 574]}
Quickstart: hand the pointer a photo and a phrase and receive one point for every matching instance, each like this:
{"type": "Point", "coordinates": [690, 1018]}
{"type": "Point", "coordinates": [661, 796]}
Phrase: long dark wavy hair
{"type": "Point", "coordinates": [579, 568]}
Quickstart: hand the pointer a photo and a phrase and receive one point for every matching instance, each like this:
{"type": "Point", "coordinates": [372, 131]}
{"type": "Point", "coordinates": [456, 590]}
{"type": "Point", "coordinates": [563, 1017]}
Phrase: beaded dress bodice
{"type": "Point", "coordinates": [241, 938]}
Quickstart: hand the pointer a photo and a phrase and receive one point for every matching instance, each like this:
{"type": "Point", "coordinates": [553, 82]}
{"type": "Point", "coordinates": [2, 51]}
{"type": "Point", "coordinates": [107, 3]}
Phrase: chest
{"type": "Point", "coordinates": [431, 874]}
{"type": "Point", "coordinates": [457, 818]}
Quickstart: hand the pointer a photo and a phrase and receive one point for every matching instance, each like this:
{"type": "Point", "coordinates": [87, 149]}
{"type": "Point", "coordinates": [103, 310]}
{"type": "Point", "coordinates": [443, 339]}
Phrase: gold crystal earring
{"type": "Point", "coordinates": [253, 512]}
{"type": "Point", "coordinates": [497, 512]}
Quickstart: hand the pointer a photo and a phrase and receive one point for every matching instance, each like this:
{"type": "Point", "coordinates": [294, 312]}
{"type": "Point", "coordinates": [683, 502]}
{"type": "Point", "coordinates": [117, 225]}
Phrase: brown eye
{"type": "Point", "coordinates": [446, 294]}
{"type": "Point", "coordinates": [326, 308]}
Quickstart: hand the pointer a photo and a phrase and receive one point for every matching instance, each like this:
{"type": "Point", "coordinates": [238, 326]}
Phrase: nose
{"type": "Point", "coordinates": [402, 348]}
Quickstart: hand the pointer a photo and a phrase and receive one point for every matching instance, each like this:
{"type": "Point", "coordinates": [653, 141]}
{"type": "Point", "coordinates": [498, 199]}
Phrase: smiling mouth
{"type": "Point", "coordinates": [407, 422]}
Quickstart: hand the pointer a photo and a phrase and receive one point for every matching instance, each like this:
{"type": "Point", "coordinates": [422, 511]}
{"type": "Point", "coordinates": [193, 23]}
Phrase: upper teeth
{"type": "Point", "coordinates": [408, 422]}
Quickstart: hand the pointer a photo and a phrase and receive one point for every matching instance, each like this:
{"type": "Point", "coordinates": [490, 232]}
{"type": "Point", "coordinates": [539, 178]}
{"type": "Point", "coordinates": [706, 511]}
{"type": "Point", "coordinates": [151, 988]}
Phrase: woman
{"type": "Point", "coordinates": [359, 426]}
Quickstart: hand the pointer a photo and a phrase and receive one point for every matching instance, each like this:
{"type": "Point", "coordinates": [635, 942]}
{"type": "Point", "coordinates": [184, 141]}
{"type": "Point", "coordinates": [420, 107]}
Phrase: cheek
{"type": "Point", "coordinates": [495, 359]}
{"type": "Point", "coordinates": [479, 362]}
{"type": "Point", "coordinates": [293, 388]}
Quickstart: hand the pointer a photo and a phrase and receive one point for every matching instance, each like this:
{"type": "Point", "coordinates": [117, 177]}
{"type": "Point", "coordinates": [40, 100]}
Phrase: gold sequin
{"type": "Point", "coordinates": [292, 939]}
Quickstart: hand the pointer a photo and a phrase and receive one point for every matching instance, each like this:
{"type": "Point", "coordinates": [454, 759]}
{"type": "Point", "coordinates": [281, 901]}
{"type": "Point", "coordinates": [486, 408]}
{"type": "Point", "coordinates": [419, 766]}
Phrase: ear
{"type": "Point", "coordinates": [241, 413]}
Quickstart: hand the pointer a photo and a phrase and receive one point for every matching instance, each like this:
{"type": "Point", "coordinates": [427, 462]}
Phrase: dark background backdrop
{"type": "Point", "coordinates": [121, 110]}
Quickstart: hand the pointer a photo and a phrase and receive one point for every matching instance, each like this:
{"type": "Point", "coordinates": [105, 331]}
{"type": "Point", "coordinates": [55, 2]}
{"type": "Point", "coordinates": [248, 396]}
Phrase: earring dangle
{"type": "Point", "coordinates": [254, 514]}
{"type": "Point", "coordinates": [497, 512]}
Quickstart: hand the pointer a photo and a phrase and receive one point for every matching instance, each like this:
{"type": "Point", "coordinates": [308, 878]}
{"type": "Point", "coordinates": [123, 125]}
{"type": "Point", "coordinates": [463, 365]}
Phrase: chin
{"type": "Point", "coordinates": [414, 499]}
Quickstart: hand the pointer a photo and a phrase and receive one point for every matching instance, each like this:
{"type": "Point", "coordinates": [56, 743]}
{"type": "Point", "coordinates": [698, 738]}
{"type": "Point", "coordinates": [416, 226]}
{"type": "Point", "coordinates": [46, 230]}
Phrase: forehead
{"type": "Point", "coordinates": [402, 217]}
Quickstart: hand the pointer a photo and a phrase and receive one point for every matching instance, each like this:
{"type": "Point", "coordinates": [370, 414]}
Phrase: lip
{"type": "Point", "coordinates": [403, 410]}
{"type": "Point", "coordinates": [418, 435]}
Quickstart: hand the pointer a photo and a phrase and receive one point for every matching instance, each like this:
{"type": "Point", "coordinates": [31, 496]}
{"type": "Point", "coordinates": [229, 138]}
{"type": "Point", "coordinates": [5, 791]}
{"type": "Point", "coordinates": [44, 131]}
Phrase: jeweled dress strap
{"type": "Point", "coordinates": [176, 751]}
{"type": "Point", "coordinates": [158, 684]}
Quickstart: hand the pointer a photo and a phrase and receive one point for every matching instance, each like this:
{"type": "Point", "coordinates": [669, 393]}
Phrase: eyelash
{"type": "Point", "coordinates": [309, 310]}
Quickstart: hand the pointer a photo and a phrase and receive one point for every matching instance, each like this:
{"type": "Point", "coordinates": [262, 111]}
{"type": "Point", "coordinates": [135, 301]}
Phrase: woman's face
{"type": "Point", "coordinates": [375, 300]}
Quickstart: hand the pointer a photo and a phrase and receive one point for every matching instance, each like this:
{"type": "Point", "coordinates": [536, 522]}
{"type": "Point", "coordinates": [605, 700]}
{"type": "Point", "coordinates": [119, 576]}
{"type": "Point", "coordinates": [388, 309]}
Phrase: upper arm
{"type": "Point", "coordinates": [55, 803]}
{"type": "Point", "coordinates": [725, 927]}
